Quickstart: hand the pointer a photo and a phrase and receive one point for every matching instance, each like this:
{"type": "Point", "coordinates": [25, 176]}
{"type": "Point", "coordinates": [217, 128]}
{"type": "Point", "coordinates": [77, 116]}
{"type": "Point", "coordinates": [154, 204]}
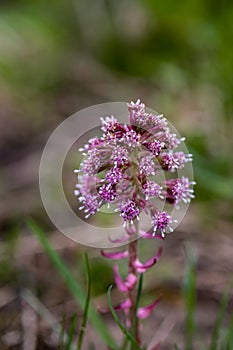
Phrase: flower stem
{"type": "Point", "coordinates": [132, 294]}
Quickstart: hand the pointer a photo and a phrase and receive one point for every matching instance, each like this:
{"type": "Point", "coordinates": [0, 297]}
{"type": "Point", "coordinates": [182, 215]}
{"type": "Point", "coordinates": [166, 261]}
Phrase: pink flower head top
{"type": "Point", "coordinates": [120, 168]}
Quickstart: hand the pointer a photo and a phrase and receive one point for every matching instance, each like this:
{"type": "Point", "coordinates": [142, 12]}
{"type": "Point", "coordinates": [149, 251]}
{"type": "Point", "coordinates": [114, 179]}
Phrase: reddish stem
{"type": "Point", "coordinates": [132, 294]}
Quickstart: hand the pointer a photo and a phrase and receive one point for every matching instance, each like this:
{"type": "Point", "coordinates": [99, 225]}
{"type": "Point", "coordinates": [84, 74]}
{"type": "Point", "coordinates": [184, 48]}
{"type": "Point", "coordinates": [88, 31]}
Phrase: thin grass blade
{"type": "Point", "coordinates": [74, 287]}
{"type": "Point", "coordinates": [62, 332]}
{"type": "Point", "coordinates": [87, 303]}
{"type": "Point", "coordinates": [229, 336]}
{"type": "Point", "coordinates": [71, 332]}
{"type": "Point", "coordinates": [220, 316]}
{"type": "Point", "coordinates": [189, 292]}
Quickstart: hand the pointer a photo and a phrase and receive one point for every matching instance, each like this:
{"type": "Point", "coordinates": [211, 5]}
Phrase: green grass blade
{"type": "Point", "coordinates": [135, 319]}
{"type": "Point", "coordinates": [62, 333]}
{"type": "Point", "coordinates": [87, 303]}
{"type": "Point", "coordinates": [74, 287]}
{"type": "Point", "coordinates": [71, 332]}
{"type": "Point", "coordinates": [229, 336]}
{"type": "Point", "coordinates": [220, 316]}
{"type": "Point", "coordinates": [120, 325]}
{"type": "Point", "coordinates": [125, 344]}
{"type": "Point", "coordinates": [189, 291]}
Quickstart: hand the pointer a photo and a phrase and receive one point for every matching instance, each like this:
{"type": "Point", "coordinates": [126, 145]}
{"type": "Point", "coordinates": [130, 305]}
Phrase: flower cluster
{"type": "Point", "coordinates": [120, 169]}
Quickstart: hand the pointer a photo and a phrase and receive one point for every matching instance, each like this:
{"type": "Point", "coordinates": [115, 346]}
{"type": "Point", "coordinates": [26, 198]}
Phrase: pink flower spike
{"type": "Point", "coordinates": [129, 283]}
{"type": "Point", "coordinates": [115, 255]}
{"type": "Point", "coordinates": [143, 267]}
{"type": "Point", "coordinates": [144, 312]}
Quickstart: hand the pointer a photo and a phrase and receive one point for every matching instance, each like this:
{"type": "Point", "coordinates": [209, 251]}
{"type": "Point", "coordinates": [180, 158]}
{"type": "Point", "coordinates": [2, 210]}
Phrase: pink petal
{"type": "Point", "coordinates": [131, 230]}
{"type": "Point", "coordinates": [115, 255]}
{"type": "Point", "coordinates": [156, 347]}
{"type": "Point", "coordinates": [129, 283]}
{"type": "Point", "coordinates": [120, 240]}
{"type": "Point", "coordinates": [143, 267]}
{"type": "Point", "coordinates": [144, 312]}
{"type": "Point", "coordinates": [124, 305]}
{"type": "Point", "coordinates": [146, 235]}
{"type": "Point", "coordinates": [119, 282]}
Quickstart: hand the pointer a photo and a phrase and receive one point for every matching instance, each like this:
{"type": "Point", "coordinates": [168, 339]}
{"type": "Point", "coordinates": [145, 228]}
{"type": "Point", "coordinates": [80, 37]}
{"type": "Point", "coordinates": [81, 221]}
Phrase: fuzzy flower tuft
{"type": "Point", "coordinates": [152, 189]}
{"type": "Point", "coordinates": [128, 210]}
{"type": "Point", "coordinates": [146, 165]}
{"type": "Point", "coordinates": [161, 221]}
{"type": "Point", "coordinates": [179, 190]}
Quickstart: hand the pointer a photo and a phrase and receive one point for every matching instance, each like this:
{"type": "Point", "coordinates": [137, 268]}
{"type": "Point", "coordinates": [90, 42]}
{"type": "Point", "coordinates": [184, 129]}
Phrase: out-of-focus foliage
{"type": "Point", "coordinates": [59, 56]}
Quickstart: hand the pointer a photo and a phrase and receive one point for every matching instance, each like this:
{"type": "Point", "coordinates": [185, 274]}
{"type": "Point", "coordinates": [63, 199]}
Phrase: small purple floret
{"type": "Point", "coordinates": [179, 190]}
{"type": "Point", "coordinates": [146, 165]}
{"type": "Point", "coordinates": [108, 192]}
{"type": "Point", "coordinates": [154, 147]}
{"type": "Point", "coordinates": [114, 175]}
{"type": "Point", "coordinates": [151, 189]}
{"type": "Point", "coordinates": [120, 156]}
{"type": "Point", "coordinates": [128, 210]}
{"type": "Point", "coordinates": [161, 221]}
{"type": "Point", "coordinates": [173, 161]}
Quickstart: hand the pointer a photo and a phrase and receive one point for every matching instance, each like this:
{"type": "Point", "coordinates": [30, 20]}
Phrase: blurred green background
{"type": "Point", "coordinates": [60, 56]}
